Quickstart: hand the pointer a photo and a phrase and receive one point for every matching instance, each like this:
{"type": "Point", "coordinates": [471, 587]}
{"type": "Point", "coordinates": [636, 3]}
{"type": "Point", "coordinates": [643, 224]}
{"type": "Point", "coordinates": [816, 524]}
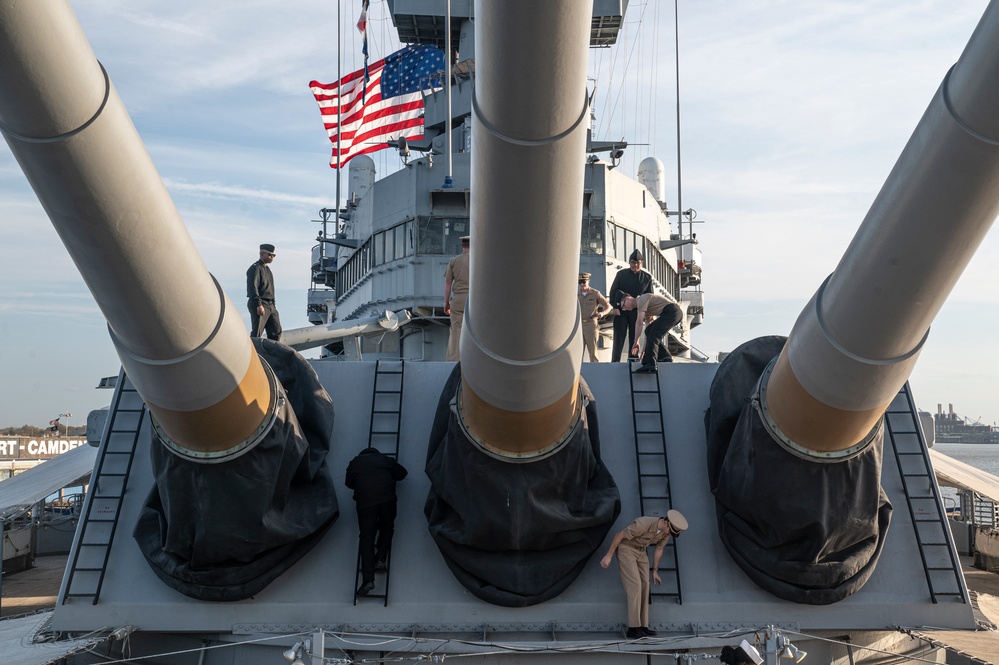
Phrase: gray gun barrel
{"type": "Point", "coordinates": [178, 336]}
{"type": "Point", "coordinates": [521, 344]}
{"type": "Point", "coordinates": [856, 342]}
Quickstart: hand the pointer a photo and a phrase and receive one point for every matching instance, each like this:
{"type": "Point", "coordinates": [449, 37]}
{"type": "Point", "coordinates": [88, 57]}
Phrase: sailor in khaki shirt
{"type": "Point", "coordinates": [592, 306]}
{"type": "Point", "coordinates": [455, 295]}
{"type": "Point", "coordinates": [666, 314]}
{"type": "Point", "coordinates": [633, 560]}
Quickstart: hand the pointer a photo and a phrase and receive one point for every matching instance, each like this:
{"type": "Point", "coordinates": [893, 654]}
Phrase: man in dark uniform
{"type": "Point", "coordinates": [260, 296]}
{"type": "Point", "coordinates": [634, 282]}
{"type": "Point", "coordinates": [373, 475]}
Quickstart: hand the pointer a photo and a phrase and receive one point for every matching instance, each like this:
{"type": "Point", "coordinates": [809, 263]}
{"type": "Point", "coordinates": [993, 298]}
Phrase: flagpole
{"type": "Point", "coordinates": [448, 181]}
{"type": "Point", "coordinates": [339, 127]}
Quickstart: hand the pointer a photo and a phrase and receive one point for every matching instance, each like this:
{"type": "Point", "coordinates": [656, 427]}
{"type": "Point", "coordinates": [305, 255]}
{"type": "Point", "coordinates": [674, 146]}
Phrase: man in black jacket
{"type": "Point", "coordinates": [633, 281]}
{"type": "Point", "coordinates": [260, 296]}
{"type": "Point", "coordinates": [373, 475]}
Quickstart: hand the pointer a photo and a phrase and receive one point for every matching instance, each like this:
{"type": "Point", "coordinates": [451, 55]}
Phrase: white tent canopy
{"type": "Point", "coordinates": [18, 643]}
{"type": "Point", "coordinates": [20, 492]}
{"type": "Point", "coordinates": [952, 473]}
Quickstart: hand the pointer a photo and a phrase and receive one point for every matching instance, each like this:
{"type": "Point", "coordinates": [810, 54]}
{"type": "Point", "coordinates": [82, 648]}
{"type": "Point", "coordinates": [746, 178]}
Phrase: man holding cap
{"type": "Point", "coordinates": [592, 306]}
{"type": "Point", "coordinates": [260, 296]}
{"type": "Point", "coordinates": [633, 560]}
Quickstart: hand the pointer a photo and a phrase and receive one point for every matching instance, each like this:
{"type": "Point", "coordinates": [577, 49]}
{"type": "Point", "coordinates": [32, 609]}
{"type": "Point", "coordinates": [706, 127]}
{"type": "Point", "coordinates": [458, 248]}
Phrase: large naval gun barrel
{"type": "Point", "coordinates": [216, 401]}
{"type": "Point", "coordinates": [796, 470]}
{"type": "Point", "coordinates": [520, 499]}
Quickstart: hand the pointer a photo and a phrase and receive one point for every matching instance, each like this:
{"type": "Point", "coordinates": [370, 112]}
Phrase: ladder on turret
{"type": "Point", "coordinates": [384, 431]}
{"type": "Point", "coordinates": [654, 493]}
{"type": "Point", "coordinates": [940, 561]}
{"type": "Point", "coordinates": [107, 488]}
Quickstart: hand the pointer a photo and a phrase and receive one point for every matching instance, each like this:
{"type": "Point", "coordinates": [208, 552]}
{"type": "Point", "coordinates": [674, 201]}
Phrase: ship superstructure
{"type": "Point", "coordinates": [391, 243]}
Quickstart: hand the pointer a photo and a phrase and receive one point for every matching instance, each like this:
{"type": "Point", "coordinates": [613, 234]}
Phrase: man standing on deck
{"type": "Point", "coordinates": [373, 475]}
{"type": "Point", "coordinates": [592, 306]}
{"type": "Point", "coordinates": [666, 314]}
{"type": "Point", "coordinates": [455, 294]}
{"type": "Point", "coordinates": [260, 296]}
{"type": "Point", "coordinates": [631, 544]}
{"type": "Point", "coordinates": [633, 281]}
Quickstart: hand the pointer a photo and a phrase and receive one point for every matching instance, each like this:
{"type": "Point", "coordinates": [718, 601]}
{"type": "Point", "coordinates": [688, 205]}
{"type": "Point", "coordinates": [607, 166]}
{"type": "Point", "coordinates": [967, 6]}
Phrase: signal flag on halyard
{"type": "Point", "coordinates": [390, 108]}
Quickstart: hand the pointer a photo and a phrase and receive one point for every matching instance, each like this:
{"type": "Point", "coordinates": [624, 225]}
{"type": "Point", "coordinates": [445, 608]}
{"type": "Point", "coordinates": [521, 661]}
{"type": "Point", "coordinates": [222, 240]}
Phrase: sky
{"type": "Point", "coordinates": [791, 116]}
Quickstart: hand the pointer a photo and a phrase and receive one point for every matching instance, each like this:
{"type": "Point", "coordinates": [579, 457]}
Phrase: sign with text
{"type": "Point", "coordinates": [26, 447]}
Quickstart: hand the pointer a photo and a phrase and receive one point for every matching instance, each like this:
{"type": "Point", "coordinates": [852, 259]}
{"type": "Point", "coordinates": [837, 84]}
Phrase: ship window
{"type": "Point", "coordinates": [431, 236]}
{"type": "Point", "coordinates": [621, 249]}
{"type": "Point", "coordinates": [390, 245]}
{"type": "Point", "coordinates": [379, 247]}
{"type": "Point", "coordinates": [400, 241]}
{"type": "Point", "coordinates": [592, 240]}
{"type": "Point", "coordinates": [410, 246]}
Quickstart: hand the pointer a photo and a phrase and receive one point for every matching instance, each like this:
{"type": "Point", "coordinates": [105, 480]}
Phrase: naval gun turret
{"type": "Point", "coordinates": [244, 426]}
{"type": "Point", "coordinates": [810, 410]}
{"type": "Point", "coordinates": [520, 499]}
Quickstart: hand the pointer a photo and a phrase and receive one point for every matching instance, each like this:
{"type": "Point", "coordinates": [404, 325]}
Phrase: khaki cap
{"type": "Point", "coordinates": [677, 522]}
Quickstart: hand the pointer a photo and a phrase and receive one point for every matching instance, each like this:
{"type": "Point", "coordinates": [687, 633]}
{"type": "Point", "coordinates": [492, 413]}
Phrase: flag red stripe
{"type": "Point", "coordinates": [365, 124]}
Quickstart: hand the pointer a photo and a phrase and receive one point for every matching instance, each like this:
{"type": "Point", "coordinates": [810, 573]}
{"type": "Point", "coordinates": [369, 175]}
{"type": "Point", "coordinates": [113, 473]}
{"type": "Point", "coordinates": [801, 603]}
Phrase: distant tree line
{"type": "Point", "coordinates": [42, 432]}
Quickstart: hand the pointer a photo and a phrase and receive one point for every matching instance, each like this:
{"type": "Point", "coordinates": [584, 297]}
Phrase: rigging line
{"type": "Point", "coordinates": [604, 113]}
{"type": "Point", "coordinates": [221, 645]}
{"type": "Point", "coordinates": [654, 97]}
{"type": "Point", "coordinates": [639, 90]}
{"type": "Point", "coordinates": [898, 657]}
{"type": "Point", "coordinates": [627, 65]}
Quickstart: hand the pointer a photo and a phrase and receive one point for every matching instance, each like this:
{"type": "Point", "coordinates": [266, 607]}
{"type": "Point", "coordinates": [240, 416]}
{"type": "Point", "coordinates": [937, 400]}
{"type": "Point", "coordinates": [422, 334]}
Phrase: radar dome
{"type": "Point", "coordinates": [652, 174]}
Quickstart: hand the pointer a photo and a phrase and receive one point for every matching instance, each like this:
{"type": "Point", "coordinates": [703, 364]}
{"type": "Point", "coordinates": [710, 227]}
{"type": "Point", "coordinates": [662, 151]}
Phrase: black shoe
{"type": "Point", "coordinates": [649, 632]}
{"type": "Point", "coordinates": [647, 369]}
{"type": "Point", "coordinates": [380, 567]}
{"type": "Point", "coordinates": [635, 633]}
{"type": "Point", "coordinates": [366, 588]}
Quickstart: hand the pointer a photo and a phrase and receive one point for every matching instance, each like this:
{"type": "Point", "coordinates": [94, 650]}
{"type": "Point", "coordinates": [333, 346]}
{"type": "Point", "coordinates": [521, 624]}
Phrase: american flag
{"type": "Point", "coordinates": [392, 107]}
{"type": "Point", "coordinates": [54, 425]}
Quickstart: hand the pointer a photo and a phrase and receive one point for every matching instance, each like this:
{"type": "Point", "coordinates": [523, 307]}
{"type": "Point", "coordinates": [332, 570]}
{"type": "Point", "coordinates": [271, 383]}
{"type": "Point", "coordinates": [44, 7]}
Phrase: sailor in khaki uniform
{"type": "Point", "coordinates": [592, 306]}
{"type": "Point", "coordinates": [630, 544]}
{"type": "Point", "coordinates": [455, 295]}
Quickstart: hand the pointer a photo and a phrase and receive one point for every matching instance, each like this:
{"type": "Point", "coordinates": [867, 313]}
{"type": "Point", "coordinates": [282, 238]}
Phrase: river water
{"type": "Point", "coordinates": [984, 456]}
